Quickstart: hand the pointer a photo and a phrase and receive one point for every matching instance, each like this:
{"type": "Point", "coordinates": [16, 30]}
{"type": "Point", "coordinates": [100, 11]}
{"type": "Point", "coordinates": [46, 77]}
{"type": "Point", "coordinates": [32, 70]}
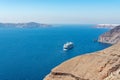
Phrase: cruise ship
{"type": "Point", "coordinates": [68, 46]}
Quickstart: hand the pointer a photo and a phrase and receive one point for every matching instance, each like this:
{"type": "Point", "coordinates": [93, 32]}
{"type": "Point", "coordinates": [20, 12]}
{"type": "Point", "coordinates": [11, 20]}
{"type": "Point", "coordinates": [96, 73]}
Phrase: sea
{"type": "Point", "coordinates": [31, 53]}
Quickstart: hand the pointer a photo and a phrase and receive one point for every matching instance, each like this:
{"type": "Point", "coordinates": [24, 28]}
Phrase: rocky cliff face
{"type": "Point", "coordinates": [101, 65]}
{"type": "Point", "coordinates": [111, 37]}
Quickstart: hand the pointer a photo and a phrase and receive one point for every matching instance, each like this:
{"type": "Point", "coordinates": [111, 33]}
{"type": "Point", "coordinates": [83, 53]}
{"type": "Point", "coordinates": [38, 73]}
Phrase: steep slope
{"type": "Point", "coordinates": [101, 65]}
{"type": "Point", "coordinates": [111, 37]}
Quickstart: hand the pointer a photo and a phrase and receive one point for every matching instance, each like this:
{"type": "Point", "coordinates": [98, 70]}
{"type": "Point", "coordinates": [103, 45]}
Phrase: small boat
{"type": "Point", "coordinates": [68, 46]}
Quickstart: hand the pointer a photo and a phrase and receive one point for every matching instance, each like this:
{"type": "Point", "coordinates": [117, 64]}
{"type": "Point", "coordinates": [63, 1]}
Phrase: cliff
{"type": "Point", "coordinates": [101, 65]}
{"type": "Point", "coordinates": [111, 37]}
{"type": "Point", "coordinates": [23, 25]}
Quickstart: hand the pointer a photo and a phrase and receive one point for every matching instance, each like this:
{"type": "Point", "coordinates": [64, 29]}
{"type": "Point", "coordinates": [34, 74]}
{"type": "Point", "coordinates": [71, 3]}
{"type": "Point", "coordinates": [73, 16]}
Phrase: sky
{"type": "Point", "coordinates": [60, 11]}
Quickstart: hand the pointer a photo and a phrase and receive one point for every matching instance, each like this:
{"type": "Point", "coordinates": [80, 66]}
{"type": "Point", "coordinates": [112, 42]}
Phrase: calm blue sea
{"type": "Point", "coordinates": [30, 54]}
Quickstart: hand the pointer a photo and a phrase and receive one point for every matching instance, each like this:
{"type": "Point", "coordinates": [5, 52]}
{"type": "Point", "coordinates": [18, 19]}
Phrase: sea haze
{"type": "Point", "coordinates": [30, 54]}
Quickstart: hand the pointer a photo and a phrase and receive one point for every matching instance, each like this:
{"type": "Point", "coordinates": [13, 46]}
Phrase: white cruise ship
{"type": "Point", "coordinates": [68, 46]}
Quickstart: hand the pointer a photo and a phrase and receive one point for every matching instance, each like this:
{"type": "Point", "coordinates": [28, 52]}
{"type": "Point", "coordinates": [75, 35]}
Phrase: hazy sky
{"type": "Point", "coordinates": [60, 11]}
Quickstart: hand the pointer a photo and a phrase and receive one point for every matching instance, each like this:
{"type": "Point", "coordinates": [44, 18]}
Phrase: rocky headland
{"type": "Point", "coordinates": [111, 37]}
{"type": "Point", "coordinates": [101, 65]}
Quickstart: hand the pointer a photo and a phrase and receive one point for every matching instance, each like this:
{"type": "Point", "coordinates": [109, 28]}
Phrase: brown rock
{"type": "Point", "coordinates": [111, 37]}
{"type": "Point", "coordinates": [101, 65]}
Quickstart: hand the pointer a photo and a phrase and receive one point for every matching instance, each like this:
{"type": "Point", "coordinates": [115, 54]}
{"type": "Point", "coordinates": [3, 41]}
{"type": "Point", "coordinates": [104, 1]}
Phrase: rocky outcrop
{"type": "Point", "coordinates": [23, 25]}
{"type": "Point", "coordinates": [111, 37]}
{"type": "Point", "coordinates": [101, 65]}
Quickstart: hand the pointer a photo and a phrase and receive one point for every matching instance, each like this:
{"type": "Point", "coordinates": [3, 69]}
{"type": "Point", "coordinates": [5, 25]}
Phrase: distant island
{"type": "Point", "coordinates": [23, 25]}
{"type": "Point", "coordinates": [111, 26]}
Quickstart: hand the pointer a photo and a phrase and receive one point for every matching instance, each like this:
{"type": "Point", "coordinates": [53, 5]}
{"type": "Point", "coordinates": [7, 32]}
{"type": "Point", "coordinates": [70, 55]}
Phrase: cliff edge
{"type": "Point", "coordinates": [111, 37]}
{"type": "Point", "coordinates": [101, 65]}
